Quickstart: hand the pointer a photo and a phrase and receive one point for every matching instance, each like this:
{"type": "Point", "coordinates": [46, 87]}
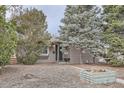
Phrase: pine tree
{"type": "Point", "coordinates": [82, 27]}
{"type": "Point", "coordinates": [114, 16]}
{"type": "Point", "coordinates": [114, 32]}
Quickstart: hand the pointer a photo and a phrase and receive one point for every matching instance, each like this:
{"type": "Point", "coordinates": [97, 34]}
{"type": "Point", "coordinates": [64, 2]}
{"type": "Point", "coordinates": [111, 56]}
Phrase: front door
{"type": "Point", "coordinates": [59, 55]}
{"type": "Point", "coordinates": [56, 51]}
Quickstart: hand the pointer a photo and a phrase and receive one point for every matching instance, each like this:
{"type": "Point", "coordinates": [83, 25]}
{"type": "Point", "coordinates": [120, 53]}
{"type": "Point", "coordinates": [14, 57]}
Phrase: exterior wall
{"type": "Point", "coordinates": [86, 57]}
{"type": "Point", "coordinates": [51, 54]}
{"type": "Point", "coordinates": [75, 55]}
{"type": "Point", "coordinates": [47, 58]}
{"type": "Point", "coordinates": [44, 57]}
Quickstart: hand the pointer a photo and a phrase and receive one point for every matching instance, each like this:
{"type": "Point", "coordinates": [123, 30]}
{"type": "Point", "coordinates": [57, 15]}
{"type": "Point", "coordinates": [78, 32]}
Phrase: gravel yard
{"type": "Point", "coordinates": [45, 76]}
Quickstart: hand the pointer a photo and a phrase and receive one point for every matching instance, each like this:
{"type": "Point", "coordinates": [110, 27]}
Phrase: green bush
{"type": "Point", "coordinates": [27, 53]}
{"type": "Point", "coordinates": [7, 38]}
{"type": "Point", "coordinates": [30, 59]}
{"type": "Point", "coordinates": [116, 63]}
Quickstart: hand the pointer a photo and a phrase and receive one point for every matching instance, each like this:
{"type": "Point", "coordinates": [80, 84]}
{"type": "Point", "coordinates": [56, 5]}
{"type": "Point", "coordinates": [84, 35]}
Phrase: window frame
{"type": "Point", "coordinates": [45, 54]}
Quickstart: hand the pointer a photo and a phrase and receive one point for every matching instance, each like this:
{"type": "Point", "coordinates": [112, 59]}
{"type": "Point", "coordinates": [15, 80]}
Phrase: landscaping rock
{"type": "Point", "coordinates": [29, 76]}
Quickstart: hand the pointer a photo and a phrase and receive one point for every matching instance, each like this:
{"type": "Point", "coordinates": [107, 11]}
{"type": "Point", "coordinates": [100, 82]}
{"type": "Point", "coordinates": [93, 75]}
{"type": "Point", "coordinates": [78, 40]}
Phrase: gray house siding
{"type": "Point", "coordinates": [44, 57]}
{"type": "Point", "coordinates": [47, 58]}
{"type": "Point", "coordinates": [86, 57]}
{"type": "Point", "coordinates": [75, 55]}
{"type": "Point", "coordinates": [51, 54]}
{"type": "Point", "coordinates": [79, 57]}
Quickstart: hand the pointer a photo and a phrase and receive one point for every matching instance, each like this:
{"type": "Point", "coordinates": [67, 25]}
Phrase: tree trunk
{"type": "Point", "coordinates": [94, 59]}
{"type": "Point", "coordinates": [0, 70]}
{"type": "Point", "coordinates": [81, 56]}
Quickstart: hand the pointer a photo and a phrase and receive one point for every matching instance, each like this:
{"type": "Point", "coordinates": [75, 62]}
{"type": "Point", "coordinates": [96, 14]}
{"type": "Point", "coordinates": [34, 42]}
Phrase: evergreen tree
{"type": "Point", "coordinates": [7, 37]}
{"type": "Point", "coordinates": [82, 27]}
{"type": "Point", "coordinates": [114, 32]}
{"type": "Point", "coordinates": [114, 16]}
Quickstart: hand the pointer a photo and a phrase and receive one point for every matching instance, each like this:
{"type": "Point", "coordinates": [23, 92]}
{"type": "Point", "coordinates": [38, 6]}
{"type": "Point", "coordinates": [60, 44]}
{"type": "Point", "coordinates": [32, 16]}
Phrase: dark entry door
{"type": "Point", "coordinates": [58, 53]}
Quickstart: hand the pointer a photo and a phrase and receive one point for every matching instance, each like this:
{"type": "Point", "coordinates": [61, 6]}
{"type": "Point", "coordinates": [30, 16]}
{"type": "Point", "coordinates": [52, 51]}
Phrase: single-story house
{"type": "Point", "coordinates": [70, 55]}
{"type": "Point", "coordinates": [62, 54]}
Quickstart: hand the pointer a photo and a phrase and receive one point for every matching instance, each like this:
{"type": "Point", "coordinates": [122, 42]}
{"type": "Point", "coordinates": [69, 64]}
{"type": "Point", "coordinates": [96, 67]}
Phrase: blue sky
{"type": "Point", "coordinates": [54, 14]}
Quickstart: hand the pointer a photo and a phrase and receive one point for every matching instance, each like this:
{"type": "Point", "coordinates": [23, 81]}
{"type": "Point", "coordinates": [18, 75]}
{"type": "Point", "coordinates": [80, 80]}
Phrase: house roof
{"type": "Point", "coordinates": [56, 40]}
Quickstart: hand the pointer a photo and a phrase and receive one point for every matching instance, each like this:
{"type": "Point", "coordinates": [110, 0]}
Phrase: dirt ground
{"type": "Point", "coordinates": [47, 76]}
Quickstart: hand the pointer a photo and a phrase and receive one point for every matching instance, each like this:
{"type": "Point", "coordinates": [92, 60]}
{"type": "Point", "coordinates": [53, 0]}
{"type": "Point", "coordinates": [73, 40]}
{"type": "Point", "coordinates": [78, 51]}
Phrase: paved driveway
{"type": "Point", "coordinates": [44, 75]}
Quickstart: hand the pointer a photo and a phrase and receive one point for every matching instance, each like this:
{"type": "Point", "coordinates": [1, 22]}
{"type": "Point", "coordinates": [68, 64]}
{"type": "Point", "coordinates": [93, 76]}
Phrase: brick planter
{"type": "Point", "coordinates": [13, 60]}
{"type": "Point", "coordinates": [98, 77]}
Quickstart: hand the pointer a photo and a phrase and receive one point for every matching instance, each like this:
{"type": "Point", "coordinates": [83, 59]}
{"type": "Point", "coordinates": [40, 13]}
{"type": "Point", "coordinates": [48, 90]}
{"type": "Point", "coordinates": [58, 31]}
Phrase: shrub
{"type": "Point", "coordinates": [27, 53]}
{"type": "Point", "coordinates": [7, 38]}
{"type": "Point", "coordinates": [32, 35]}
{"type": "Point", "coordinates": [30, 59]}
{"type": "Point", "coordinates": [117, 63]}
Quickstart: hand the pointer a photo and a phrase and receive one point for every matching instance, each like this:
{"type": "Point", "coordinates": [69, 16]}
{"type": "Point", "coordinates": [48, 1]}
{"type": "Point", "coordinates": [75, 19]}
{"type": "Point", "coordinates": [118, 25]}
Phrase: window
{"type": "Point", "coordinates": [45, 51]}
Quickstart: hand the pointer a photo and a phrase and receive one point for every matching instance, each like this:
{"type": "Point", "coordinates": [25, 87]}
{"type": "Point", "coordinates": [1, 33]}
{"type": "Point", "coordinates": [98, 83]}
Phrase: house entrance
{"type": "Point", "coordinates": [59, 54]}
